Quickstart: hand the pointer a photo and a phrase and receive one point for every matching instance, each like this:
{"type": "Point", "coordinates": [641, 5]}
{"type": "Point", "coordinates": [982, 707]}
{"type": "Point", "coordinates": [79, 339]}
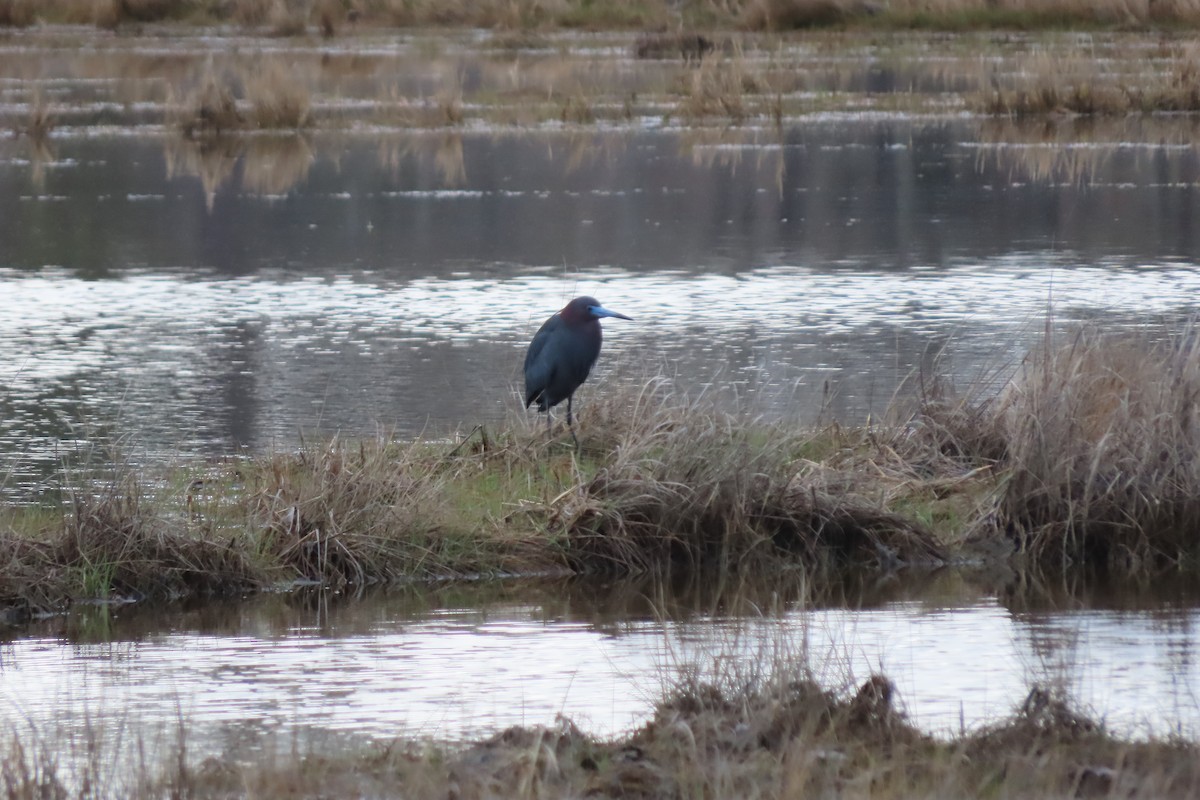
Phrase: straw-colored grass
{"type": "Point", "coordinates": [687, 46]}
{"type": "Point", "coordinates": [1093, 443]}
{"type": "Point", "coordinates": [713, 489]}
{"type": "Point", "coordinates": [1086, 456]}
{"type": "Point", "coordinates": [778, 739]}
{"type": "Point", "coordinates": [661, 483]}
{"type": "Point", "coordinates": [213, 85]}
{"type": "Point", "coordinates": [723, 86]}
{"type": "Point", "coordinates": [111, 543]}
{"type": "Point", "coordinates": [1051, 84]}
{"type": "Point", "coordinates": [210, 109]}
{"type": "Point", "coordinates": [1102, 434]}
{"type": "Point", "coordinates": [370, 512]}
{"type": "Point", "coordinates": [274, 98]}
{"type": "Point", "coordinates": [278, 100]}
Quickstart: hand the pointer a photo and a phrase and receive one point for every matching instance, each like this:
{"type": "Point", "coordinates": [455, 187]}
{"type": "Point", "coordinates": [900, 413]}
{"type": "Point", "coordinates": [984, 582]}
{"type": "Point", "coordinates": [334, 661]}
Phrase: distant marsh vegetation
{"type": "Point", "coordinates": [331, 17]}
{"type": "Point", "coordinates": [203, 83]}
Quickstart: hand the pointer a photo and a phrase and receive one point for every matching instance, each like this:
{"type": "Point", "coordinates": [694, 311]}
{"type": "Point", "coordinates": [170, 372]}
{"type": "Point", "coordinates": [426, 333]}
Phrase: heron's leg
{"type": "Point", "coordinates": [571, 425]}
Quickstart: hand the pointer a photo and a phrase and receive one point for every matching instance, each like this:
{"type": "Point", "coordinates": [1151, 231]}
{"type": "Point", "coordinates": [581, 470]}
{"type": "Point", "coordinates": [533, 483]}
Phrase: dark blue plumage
{"type": "Point", "coordinates": [562, 354]}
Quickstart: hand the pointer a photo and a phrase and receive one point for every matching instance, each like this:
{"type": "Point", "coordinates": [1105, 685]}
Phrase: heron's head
{"type": "Point", "coordinates": [582, 309]}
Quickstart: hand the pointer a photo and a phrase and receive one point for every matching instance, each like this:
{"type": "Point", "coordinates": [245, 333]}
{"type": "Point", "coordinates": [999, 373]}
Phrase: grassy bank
{"type": "Point", "coordinates": [775, 739]}
{"type": "Point", "coordinates": [1086, 457]}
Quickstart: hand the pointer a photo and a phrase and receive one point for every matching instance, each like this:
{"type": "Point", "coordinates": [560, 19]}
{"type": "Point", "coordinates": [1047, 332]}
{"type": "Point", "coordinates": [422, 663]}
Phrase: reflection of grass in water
{"type": "Point", "coordinates": [271, 165]}
{"type": "Point", "coordinates": [443, 150]}
{"type": "Point", "coordinates": [1077, 150]}
{"type": "Point", "coordinates": [212, 160]}
{"type": "Point", "coordinates": [274, 165]}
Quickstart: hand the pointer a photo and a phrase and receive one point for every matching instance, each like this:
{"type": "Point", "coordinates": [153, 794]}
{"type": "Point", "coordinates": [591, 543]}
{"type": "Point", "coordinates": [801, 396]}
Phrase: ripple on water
{"type": "Point", "coordinates": [379, 669]}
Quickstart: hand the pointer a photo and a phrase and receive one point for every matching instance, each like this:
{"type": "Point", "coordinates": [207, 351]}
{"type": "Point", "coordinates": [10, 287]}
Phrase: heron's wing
{"type": "Point", "coordinates": [539, 363]}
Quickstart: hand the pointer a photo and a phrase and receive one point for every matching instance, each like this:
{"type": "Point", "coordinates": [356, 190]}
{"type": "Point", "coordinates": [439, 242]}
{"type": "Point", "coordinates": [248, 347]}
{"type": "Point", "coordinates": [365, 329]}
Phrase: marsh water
{"type": "Point", "coordinates": [166, 299]}
{"type": "Point", "coordinates": [185, 302]}
{"type": "Point", "coordinates": [448, 662]}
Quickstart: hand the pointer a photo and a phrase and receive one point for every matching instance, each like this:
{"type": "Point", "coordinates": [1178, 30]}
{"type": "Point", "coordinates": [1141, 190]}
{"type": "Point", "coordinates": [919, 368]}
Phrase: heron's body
{"type": "Point", "coordinates": [559, 360]}
{"type": "Point", "coordinates": [562, 353]}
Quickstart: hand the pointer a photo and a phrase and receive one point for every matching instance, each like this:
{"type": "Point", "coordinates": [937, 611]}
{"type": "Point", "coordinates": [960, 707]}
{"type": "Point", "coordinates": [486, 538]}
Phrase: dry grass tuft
{"type": "Point", "coordinates": [274, 99]}
{"type": "Point", "coordinates": [1050, 84]}
{"type": "Point", "coordinates": [113, 13]}
{"type": "Point", "coordinates": [114, 544]}
{"type": "Point", "coordinates": [950, 427]}
{"type": "Point", "coordinates": [210, 110]}
{"type": "Point", "coordinates": [369, 512]}
{"type": "Point", "coordinates": [120, 547]}
{"type": "Point", "coordinates": [765, 740]}
{"type": "Point", "coordinates": [278, 101]}
{"type": "Point", "coordinates": [577, 110]}
{"type": "Point", "coordinates": [251, 13]}
{"type": "Point", "coordinates": [329, 14]}
{"type": "Point", "coordinates": [1045, 716]}
{"type": "Point", "coordinates": [1102, 440]}
{"type": "Point", "coordinates": [495, 14]}
{"type": "Point", "coordinates": [718, 88]}
{"type": "Point", "coordinates": [696, 486]}
{"type": "Point", "coordinates": [773, 716]}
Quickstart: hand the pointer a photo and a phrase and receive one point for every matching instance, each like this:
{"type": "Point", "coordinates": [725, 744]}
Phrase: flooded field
{"type": "Point", "coordinates": [375, 255]}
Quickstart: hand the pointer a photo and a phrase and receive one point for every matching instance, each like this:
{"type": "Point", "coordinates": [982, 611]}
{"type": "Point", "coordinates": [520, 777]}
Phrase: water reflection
{"type": "Point", "coordinates": [1126, 151]}
{"type": "Point", "coordinates": [465, 660]}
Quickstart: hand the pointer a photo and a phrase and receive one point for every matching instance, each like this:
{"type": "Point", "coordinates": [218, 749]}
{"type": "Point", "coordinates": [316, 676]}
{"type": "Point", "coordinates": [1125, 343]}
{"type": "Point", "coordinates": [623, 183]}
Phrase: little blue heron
{"type": "Point", "coordinates": [562, 354]}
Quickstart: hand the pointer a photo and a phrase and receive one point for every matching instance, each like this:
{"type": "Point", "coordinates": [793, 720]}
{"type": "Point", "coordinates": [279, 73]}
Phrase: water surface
{"type": "Point", "coordinates": [167, 299]}
{"type": "Point", "coordinates": [471, 660]}
{"type": "Point", "coordinates": [186, 300]}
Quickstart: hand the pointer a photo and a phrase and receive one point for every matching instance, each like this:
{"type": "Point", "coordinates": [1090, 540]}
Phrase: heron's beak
{"type": "Point", "coordinates": [601, 311]}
